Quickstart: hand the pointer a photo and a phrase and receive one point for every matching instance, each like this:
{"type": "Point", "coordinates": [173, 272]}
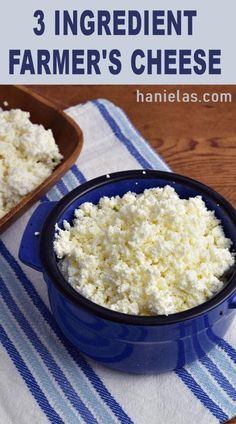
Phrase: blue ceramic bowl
{"type": "Point", "coordinates": [136, 344]}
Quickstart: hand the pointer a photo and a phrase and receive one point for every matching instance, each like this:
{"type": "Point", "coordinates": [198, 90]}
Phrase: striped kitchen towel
{"type": "Point", "coordinates": [43, 378]}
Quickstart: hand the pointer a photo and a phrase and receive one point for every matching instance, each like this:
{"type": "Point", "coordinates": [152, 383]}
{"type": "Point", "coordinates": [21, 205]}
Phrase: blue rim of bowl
{"type": "Point", "coordinates": [51, 268]}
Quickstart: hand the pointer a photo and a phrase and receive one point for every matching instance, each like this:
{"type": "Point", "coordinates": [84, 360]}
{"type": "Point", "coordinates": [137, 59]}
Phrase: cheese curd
{"type": "Point", "coordinates": [147, 254]}
{"type": "Point", "coordinates": [28, 155]}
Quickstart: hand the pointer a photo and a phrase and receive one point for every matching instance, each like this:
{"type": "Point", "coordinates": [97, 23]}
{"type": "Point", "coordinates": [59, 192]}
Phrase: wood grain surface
{"type": "Point", "coordinates": [195, 139]}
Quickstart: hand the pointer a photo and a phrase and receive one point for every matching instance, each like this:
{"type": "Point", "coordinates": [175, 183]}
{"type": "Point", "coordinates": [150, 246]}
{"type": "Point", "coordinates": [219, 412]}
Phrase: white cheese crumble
{"type": "Point", "coordinates": [28, 155]}
{"type": "Point", "coordinates": [147, 254]}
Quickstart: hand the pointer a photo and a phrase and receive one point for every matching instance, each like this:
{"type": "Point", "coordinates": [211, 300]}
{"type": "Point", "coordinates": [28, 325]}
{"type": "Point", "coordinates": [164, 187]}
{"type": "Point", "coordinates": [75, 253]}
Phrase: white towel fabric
{"type": "Point", "coordinates": [43, 378]}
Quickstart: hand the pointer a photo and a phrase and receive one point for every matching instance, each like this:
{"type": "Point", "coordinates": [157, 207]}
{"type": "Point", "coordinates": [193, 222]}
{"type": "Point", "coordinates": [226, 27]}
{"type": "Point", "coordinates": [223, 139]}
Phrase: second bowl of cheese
{"type": "Point", "coordinates": [137, 264]}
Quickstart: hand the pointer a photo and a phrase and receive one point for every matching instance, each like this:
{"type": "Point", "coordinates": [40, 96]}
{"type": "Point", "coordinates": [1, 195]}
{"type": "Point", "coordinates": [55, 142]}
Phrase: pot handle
{"type": "Point", "coordinates": [232, 303]}
{"type": "Point", "coordinates": [29, 247]}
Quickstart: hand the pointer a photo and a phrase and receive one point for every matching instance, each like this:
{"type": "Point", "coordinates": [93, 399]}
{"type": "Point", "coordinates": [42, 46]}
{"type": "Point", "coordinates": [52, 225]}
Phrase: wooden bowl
{"type": "Point", "coordinates": [67, 133]}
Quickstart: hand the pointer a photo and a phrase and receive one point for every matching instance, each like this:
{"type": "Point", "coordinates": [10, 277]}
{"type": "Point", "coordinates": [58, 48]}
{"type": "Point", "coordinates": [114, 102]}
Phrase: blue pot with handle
{"type": "Point", "coordinates": [130, 343]}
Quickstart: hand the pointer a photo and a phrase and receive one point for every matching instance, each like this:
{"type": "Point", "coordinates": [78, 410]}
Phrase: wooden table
{"type": "Point", "coordinates": [196, 139]}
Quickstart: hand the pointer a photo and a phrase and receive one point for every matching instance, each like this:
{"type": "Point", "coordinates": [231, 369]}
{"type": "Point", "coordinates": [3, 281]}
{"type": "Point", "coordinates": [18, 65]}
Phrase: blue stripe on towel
{"type": "Point", "coordinates": [37, 369]}
{"type": "Point", "coordinates": [219, 377]}
{"type": "Point", "coordinates": [73, 372]}
{"type": "Point", "coordinates": [54, 194]}
{"type": "Point", "coordinates": [71, 180]}
{"type": "Point", "coordinates": [57, 373]}
{"type": "Point", "coordinates": [201, 377]}
{"type": "Point", "coordinates": [118, 133]}
{"type": "Point", "coordinates": [212, 368]}
{"type": "Point", "coordinates": [210, 387]}
{"type": "Point", "coordinates": [78, 174]}
{"type": "Point", "coordinates": [223, 361]}
{"type": "Point", "coordinates": [29, 379]}
{"type": "Point", "coordinates": [61, 185]}
{"type": "Point", "coordinates": [133, 135]}
{"type": "Point", "coordinates": [77, 357]}
{"type": "Point", "coordinates": [226, 347]}
{"type": "Point", "coordinates": [201, 395]}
